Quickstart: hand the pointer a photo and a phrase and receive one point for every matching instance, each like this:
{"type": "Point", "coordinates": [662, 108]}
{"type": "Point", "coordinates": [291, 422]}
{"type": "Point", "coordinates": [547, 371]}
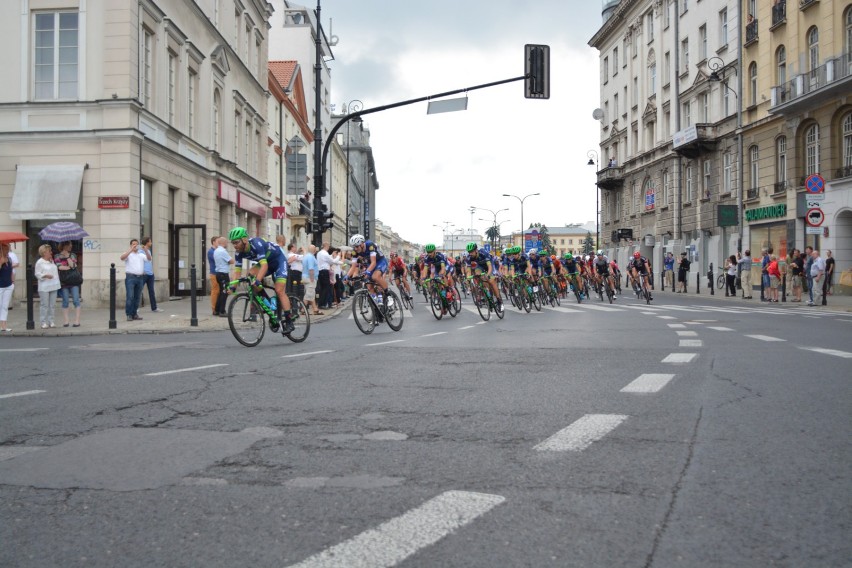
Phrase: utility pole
{"type": "Point", "coordinates": [319, 181]}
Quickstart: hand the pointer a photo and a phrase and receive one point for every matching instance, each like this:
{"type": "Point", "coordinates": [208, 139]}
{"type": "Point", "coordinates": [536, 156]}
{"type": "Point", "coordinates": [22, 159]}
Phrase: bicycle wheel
{"type": "Point", "coordinates": [247, 321]}
{"type": "Point", "coordinates": [498, 308]}
{"type": "Point", "coordinates": [436, 302]}
{"type": "Point", "coordinates": [609, 292]}
{"type": "Point", "coordinates": [578, 295]}
{"type": "Point", "coordinates": [481, 302]}
{"type": "Point", "coordinates": [647, 295]}
{"type": "Point", "coordinates": [301, 319]}
{"type": "Point", "coordinates": [362, 311]}
{"type": "Point", "coordinates": [555, 294]}
{"type": "Point", "coordinates": [536, 300]}
{"type": "Point", "coordinates": [394, 312]}
{"type": "Point", "coordinates": [720, 281]}
{"type": "Point", "coordinates": [455, 306]}
{"type": "Point", "coordinates": [524, 296]}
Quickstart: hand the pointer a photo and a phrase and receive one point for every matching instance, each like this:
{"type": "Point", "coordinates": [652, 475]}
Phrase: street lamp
{"type": "Point", "coordinates": [354, 106]}
{"type": "Point", "coordinates": [596, 163]}
{"type": "Point", "coordinates": [496, 234]}
{"type": "Point", "coordinates": [521, 199]}
{"type": "Point", "coordinates": [493, 213]}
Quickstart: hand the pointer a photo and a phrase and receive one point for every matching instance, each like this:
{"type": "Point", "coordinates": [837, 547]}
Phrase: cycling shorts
{"type": "Point", "coordinates": [602, 270]}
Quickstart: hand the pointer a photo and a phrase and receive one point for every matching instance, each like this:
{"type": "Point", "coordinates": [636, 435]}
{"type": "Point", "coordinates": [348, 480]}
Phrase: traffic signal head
{"type": "Point", "coordinates": [537, 71]}
{"type": "Point", "coordinates": [323, 219]}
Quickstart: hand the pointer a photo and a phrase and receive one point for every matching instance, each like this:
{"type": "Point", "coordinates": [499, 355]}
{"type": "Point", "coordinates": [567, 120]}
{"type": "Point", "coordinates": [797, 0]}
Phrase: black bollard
{"type": "Point", "coordinates": [784, 287]}
{"type": "Point", "coordinates": [112, 323]}
{"type": "Point", "coordinates": [698, 283]}
{"type": "Point", "coordinates": [30, 282]}
{"type": "Point", "coordinates": [824, 290]}
{"type": "Point", "coordinates": [712, 285]}
{"type": "Point", "coordinates": [663, 280]}
{"type": "Point", "coordinates": [193, 319]}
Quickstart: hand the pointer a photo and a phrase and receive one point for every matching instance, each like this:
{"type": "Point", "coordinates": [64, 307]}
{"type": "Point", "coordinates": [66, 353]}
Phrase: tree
{"type": "Point", "coordinates": [588, 244]}
{"type": "Point", "coordinates": [493, 234]}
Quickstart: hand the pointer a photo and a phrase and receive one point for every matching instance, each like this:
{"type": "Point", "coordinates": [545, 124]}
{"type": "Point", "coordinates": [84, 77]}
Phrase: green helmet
{"type": "Point", "coordinates": [429, 248]}
{"type": "Point", "coordinates": [237, 233]}
{"type": "Point", "coordinates": [470, 247]}
{"type": "Point", "coordinates": [568, 256]}
{"type": "Point", "coordinates": [515, 250]}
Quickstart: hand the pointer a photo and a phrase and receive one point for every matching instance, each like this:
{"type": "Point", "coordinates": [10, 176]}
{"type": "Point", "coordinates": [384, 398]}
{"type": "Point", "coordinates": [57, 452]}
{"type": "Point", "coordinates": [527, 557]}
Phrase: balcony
{"type": "Point", "coordinates": [811, 89]}
{"type": "Point", "coordinates": [753, 193]}
{"type": "Point", "coordinates": [843, 172]}
{"type": "Point", "coordinates": [611, 178]}
{"type": "Point", "coordinates": [805, 4]}
{"type": "Point", "coordinates": [779, 14]}
{"type": "Point", "coordinates": [781, 187]}
{"type": "Point", "coordinates": [694, 141]}
{"type": "Point", "coordinates": [751, 33]}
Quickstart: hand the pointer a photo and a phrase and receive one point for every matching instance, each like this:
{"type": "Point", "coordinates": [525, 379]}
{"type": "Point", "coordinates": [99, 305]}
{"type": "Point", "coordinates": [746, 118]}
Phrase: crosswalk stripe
{"type": "Point", "coordinates": [600, 308]}
{"type": "Point", "coordinates": [765, 338]}
{"type": "Point", "coordinates": [582, 433]}
{"type": "Point", "coordinates": [835, 352]}
{"type": "Point", "coordinates": [679, 357]}
{"type": "Point", "coordinates": [690, 343]}
{"type": "Point", "coordinates": [687, 333]}
{"type": "Point", "coordinates": [22, 393]}
{"type": "Point", "coordinates": [560, 309]}
{"type": "Point", "coordinates": [719, 328]}
{"type": "Point", "coordinates": [648, 383]}
{"type": "Point", "coordinates": [395, 540]}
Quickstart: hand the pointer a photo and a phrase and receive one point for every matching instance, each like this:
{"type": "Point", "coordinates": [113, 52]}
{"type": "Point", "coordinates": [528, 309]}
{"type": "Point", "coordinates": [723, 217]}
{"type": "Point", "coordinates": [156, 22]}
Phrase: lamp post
{"type": "Point", "coordinates": [493, 214]}
{"type": "Point", "coordinates": [521, 199]}
{"type": "Point", "coordinates": [444, 230]}
{"type": "Point", "coordinates": [495, 235]}
{"type": "Point", "coordinates": [354, 106]}
{"type": "Point", "coordinates": [596, 162]}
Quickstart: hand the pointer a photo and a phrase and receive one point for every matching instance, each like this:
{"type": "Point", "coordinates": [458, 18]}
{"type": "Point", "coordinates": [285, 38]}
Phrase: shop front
{"type": "Point", "coordinates": [769, 230]}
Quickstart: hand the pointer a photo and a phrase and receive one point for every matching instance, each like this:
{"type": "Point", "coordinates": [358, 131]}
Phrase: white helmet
{"type": "Point", "coordinates": [600, 252]}
{"type": "Point", "coordinates": [356, 240]}
{"type": "Point", "coordinates": [533, 251]}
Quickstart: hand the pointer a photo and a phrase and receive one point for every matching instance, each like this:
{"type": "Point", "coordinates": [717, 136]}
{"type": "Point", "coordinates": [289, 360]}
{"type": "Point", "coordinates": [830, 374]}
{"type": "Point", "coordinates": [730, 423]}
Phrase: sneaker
{"type": "Point", "coordinates": [137, 317]}
{"type": "Point", "coordinates": [809, 303]}
{"type": "Point", "coordinates": [129, 318]}
{"type": "Point", "coordinates": [288, 328]}
{"type": "Point", "coordinates": [158, 310]}
{"type": "Point", "coordinates": [44, 325]}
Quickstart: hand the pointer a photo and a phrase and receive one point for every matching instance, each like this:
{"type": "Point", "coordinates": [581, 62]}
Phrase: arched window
{"type": "Point", "coordinates": [754, 166]}
{"type": "Point", "coordinates": [847, 142]}
{"type": "Point", "coordinates": [812, 150]}
{"type": "Point", "coordinates": [813, 50]}
{"type": "Point", "coordinates": [217, 120]}
{"type": "Point", "coordinates": [847, 37]}
{"type": "Point", "coordinates": [752, 78]}
{"type": "Point", "coordinates": [781, 66]}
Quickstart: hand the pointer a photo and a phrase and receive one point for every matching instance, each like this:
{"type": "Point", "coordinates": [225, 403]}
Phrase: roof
{"type": "Point", "coordinates": [284, 72]}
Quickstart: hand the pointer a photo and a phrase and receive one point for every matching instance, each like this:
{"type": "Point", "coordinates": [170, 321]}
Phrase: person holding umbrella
{"type": "Point", "coordinates": [66, 263]}
{"type": "Point", "coordinates": [7, 285]}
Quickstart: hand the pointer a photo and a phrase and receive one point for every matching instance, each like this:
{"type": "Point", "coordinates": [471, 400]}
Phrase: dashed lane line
{"type": "Point", "coordinates": [465, 327]}
{"type": "Point", "coordinates": [582, 433]}
{"type": "Point", "coordinates": [186, 370]}
{"type": "Point", "coordinates": [667, 317]}
{"type": "Point", "coordinates": [307, 354]}
{"type": "Point", "coordinates": [395, 540]}
{"type": "Point", "coordinates": [835, 352]}
{"type": "Point", "coordinates": [384, 342]}
{"type": "Point", "coordinates": [434, 334]}
{"type": "Point", "coordinates": [687, 333]}
{"type": "Point", "coordinates": [24, 349]}
{"type": "Point", "coordinates": [679, 357]}
{"type": "Point", "coordinates": [22, 393]}
{"type": "Point", "coordinates": [648, 383]}
{"type": "Point", "coordinates": [690, 343]}
{"type": "Point", "coordinates": [765, 338]}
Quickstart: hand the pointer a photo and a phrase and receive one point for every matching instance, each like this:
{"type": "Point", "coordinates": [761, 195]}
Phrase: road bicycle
{"type": "Point", "coordinates": [249, 310]}
{"type": "Point", "coordinates": [550, 291]}
{"type": "Point", "coordinates": [442, 298]}
{"type": "Point", "coordinates": [483, 299]}
{"type": "Point", "coordinates": [372, 305]}
{"type": "Point", "coordinates": [407, 300]}
{"type": "Point", "coordinates": [528, 290]}
{"type": "Point", "coordinates": [644, 291]}
{"type": "Point", "coordinates": [572, 281]}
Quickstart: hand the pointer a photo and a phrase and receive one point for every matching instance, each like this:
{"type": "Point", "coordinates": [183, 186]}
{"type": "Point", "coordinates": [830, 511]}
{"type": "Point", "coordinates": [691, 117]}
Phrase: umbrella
{"type": "Point", "coordinates": [12, 237]}
{"type": "Point", "coordinates": [62, 231]}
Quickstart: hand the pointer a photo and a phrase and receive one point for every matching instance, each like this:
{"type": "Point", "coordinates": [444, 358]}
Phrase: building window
{"type": "Point", "coordinates": [723, 27]}
{"type": "Point", "coordinates": [238, 16]}
{"type": "Point", "coordinates": [781, 66]}
{"type": "Point", "coordinates": [665, 187]}
{"type": "Point", "coordinates": [635, 92]}
{"type": "Point", "coordinates": [217, 121]}
{"type": "Point", "coordinates": [635, 198]}
{"type": "Point", "coordinates": [702, 43]}
{"type": "Point", "coordinates": [615, 105]}
{"type": "Point", "coordinates": [247, 44]}
{"type": "Point", "coordinates": [173, 60]}
{"type": "Point", "coordinates": [726, 98]}
{"type": "Point", "coordinates": [247, 150]}
{"type": "Point", "coordinates": [684, 6]}
{"type": "Point", "coordinates": [705, 107]}
{"type": "Point", "coordinates": [652, 79]}
{"type": "Point", "coordinates": [847, 38]}
{"type": "Point", "coordinates": [667, 14]}
{"type": "Point", "coordinates": [648, 189]}
{"type": "Point", "coordinates": [727, 168]}
{"type": "Point", "coordinates": [754, 166]}
{"type": "Point", "coordinates": [615, 61]}
{"type": "Point", "coordinates": [687, 114]}
{"type": "Point", "coordinates": [705, 187]}
{"type": "Point", "coordinates": [651, 134]}
{"type": "Point", "coordinates": [605, 70]}
{"type": "Point", "coordinates": [752, 79]}
{"type": "Point", "coordinates": [257, 152]}
{"type": "Point", "coordinates": [237, 123]}
{"type": "Point", "coordinates": [192, 89]}
{"type": "Point", "coordinates": [847, 140]}
{"type": "Point", "coordinates": [812, 150]}
{"type": "Point", "coordinates": [649, 19]}
{"type": "Point", "coordinates": [147, 66]}
{"type": "Point", "coordinates": [781, 159]}
{"type": "Point", "coordinates": [684, 52]}
{"type": "Point", "coordinates": [667, 67]}
{"type": "Point", "coordinates": [813, 50]}
{"type": "Point", "coordinates": [689, 183]}
{"type": "Point", "coordinates": [624, 51]}
{"type": "Point", "coordinates": [56, 54]}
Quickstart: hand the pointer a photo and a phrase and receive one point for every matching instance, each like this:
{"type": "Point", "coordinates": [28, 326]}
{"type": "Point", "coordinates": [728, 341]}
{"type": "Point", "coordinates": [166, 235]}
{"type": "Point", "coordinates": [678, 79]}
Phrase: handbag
{"type": "Point", "coordinates": [70, 277]}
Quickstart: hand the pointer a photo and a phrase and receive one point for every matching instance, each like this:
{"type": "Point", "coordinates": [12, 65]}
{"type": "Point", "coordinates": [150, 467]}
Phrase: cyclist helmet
{"type": "Point", "coordinates": [470, 247]}
{"type": "Point", "coordinates": [393, 254]}
{"type": "Point", "coordinates": [237, 233]}
{"type": "Point", "coordinates": [600, 252]}
{"type": "Point", "coordinates": [552, 257]}
{"type": "Point", "coordinates": [568, 256]}
{"type": "Point", "coordinates": [517, 249]}
{"type": "Point", "coordinates": [533, 252]}
{"type": "Point", "coordinates": [636, 254]}
{"type": "Point", "coordinates": [429, 248]}
{"type": "Point", "coordinates": [356, 240]}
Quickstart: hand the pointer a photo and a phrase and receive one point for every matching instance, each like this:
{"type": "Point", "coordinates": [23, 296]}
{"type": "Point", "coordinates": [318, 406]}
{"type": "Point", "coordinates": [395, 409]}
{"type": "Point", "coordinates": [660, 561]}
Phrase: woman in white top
{"type": "Point", "coordinates": [48, 285]}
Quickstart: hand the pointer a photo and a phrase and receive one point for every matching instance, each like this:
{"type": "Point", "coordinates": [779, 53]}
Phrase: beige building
{"type": "Point", "coordinates": [135, 118]}
{"type": "Point", "coordinates": [570, 238]}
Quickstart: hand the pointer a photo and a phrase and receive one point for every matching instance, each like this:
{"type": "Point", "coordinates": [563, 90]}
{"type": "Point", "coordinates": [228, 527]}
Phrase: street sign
{"type": "Point", "coordinates": [815, 217]}
{"type": "Point", "coordinates": [279, 213]}
{"type": "Point", "coordinates": [813, 230]}
{"type": "Point", "coordinates": [811, 202]}
{"type": "Point", "coordinates": [814, 196]}
{"type": "Point", "coordinates": [815, 184]}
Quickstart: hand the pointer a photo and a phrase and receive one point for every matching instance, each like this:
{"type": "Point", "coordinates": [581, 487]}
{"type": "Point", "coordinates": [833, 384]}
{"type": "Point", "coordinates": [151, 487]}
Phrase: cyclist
{"type": "Point", "coordinates": [485, 266]}
{"type": "Point", "coordinates": [436, 265]}
{"type": "Point", "coordinates": [270, 260]}
{"type": "Point", "coordinates": [601, 263]}
{"type": "Point", "coordinates": [572, 270]}
{"type": "Point", "coordinates": [399, 273]}
{"type": "Point", "coordinates": [368, 253]}
{"type": "Point", "coordinates": [640, 265]}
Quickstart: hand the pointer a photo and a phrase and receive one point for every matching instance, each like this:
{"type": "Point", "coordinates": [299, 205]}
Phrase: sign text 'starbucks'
{"type": "Point", "coordinates": [768, 212]}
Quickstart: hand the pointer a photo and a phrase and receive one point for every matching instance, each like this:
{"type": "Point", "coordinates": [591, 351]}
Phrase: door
{"type": "Point", "coordinates": [188, 248]}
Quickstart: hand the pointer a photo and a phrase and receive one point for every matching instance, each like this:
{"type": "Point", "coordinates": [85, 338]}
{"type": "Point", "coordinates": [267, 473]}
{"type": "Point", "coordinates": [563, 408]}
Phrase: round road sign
{"type": "Point", "coordinates": [815, 183]}
{"type": "Point", "coordinates": [815, 217]}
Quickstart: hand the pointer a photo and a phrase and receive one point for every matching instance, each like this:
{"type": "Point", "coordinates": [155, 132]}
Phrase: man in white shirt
{"type": "Point", "coordinates": [294, 271]}
{"type": "Point", "coordinates": [134, 278]}
{"type": "Point", "coordinates": [324, 260]}
{"type": "Point", "coordinates": [817, 276]}
{"type": "Point", "coordinates": [223, 261]}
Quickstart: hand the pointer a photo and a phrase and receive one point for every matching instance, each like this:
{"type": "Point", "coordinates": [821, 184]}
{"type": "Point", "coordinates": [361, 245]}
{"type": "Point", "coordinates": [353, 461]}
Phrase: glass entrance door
{"type": "Point", "coordinates": [188, 248]}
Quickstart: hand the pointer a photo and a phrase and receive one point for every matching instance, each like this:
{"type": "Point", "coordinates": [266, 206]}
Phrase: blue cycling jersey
{"type": "Point", "coordinates": [481, 258]}
{"type": "Point", "coordinates": [439, 262]}
{"type": "Point", "coordinates": [262, 251]}
{"type": "Point", "coordinates": [519, 263]}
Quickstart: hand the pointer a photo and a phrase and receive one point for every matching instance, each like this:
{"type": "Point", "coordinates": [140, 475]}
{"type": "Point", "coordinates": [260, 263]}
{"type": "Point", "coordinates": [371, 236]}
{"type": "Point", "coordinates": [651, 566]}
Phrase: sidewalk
{"type": "Point", "coordinates": [836, 303]}
{"type": "Point", "coordinates": [175, 318]}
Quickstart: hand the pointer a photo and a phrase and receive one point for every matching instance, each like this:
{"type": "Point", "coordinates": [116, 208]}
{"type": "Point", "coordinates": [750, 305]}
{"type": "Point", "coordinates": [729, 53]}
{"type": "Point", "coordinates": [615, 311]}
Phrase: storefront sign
{"type": "Point", "coordinates": [228, 192]}
{"type": "Point", "coordinates": [279, 213]}
{"type": "Point", "coordinates": [114, 202]}
{"type": "Point", "coordinates": [727, 215]}
{"type": "Point", "coordinates": [250, 204]}
{"type": "Point", "coordinates": [768, 212]}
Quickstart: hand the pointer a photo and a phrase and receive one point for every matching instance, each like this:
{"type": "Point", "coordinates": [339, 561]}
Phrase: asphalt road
{"type": "Point", "coordinates": [561, 438]}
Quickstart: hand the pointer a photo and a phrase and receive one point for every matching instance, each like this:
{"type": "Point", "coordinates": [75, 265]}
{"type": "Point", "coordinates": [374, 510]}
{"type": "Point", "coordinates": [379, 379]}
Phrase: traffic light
{"type": "Point", "coordinates": [309, 227]}
{"type": "Point", "coordinates": [536, 71]}
{"type": "Point", "coordinates": [322, 219]}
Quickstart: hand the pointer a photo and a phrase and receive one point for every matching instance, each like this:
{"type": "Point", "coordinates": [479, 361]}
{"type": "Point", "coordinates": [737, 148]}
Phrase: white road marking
{"type": "Point", "coordinates": [692, 322]}
{"type": "Point", "coordinates": [24, 349]}
{"type": "Point", "coordinates": [395, 540]}
{"type": "Point", "coordinates": [186, 370]}
{"type": "Point", "coordinates": [679, 357]}
{"type": "Point", "coordinates": [385, 342]}
{"type": "Point", "coordinates": [308, 353]}
{"type": "Point", "coordinates": [433, 334]}
{"type": "Point", "coordinates": [481, 322]}
{"type": "Point", "coordinates": [690, 343]}
{"type": "Point", "coordinates": [765, 338]}
{"type": "Point", "coordinates": [835, 352]}
{"type": "Point", "coordinates": [465, 327]}
{"type": "Point", "coordinates": [582, 433]}
{"type": "Point", "coordinates": [562, 309]}
{"type": "Point", "coordinates": [601, 308]}
{"type": "Point", "coordinates": [23, 393]}
{"type": "Point", "coordinates": [648, 383]}
{"type": "Point", "coordinates": [687, 333]}
{"type": "Point", "coordinates": [667, 317]}
{"type": "Point", "coordinates": [719, 328]}
{"type": "Point", "coordinates": [676, 326]}
{"type": "Point", "coordinates": [649, 313]}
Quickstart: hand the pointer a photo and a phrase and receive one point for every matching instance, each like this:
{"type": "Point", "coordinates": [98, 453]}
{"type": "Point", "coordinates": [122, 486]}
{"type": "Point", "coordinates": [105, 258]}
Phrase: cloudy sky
{"type": "Point", "coordinates": [432, 168]}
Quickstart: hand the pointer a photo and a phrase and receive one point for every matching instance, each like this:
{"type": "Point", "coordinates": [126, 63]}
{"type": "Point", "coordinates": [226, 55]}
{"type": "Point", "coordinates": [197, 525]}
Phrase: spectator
{"type": "Point", "coordinates": [223, 262]}
{"type": "Point", "coordinates": [809, 262]}
{"type": "Point", "coordinates": [15, 264]}
{"type": "Point", "coordinates": [818, 277]}
{"type": "Point", "coordinates": [324, 292]}
{"type": "Point", "coordinates": [214, 283]}
{"type": "Point", "coordinates": [829, 272]}
{"type": "Point", "coordinates": [294, 271]}
{"type": "Point", "coordinates": [668, 270]}
{"type": "Point", "coordinates": [7, 285]}
{"type": "Point", "coordinates": [148, 279]}
{"type": "Point", "coordinates": [309, 279]}
{"type": "Point", "coordinates": [134, 279]}
{"type": "Point", "coordinates": [337, 276]}
{"type": "Point", "coordinates": [797, 266]}
{"type": "Point", "coordinates": [745, 274]}
{"type": "Point", "coordinates": [66, 261]}
{"type": "Point", "coordinates": [48, 285]}
{"type": "Point", "coordinates": [682, 272]}
{"type": "Point", "coordinates": [764, 274]}
{"type": "Point", "coordinates": [612, 162]}
{"type": "Point", "coordinates": [731, 276]}
{"type": "Point", "coordinates": [774, 272]}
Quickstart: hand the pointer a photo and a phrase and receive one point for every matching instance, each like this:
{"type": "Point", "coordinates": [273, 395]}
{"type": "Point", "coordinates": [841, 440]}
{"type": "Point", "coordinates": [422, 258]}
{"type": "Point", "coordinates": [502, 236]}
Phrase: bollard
{"type": "Point", "coordinates": [698, 283]}
{"type": "Point", "coordinates": [30, 283]}
{"type": "Point", "coordinates": [193, 319]}
{"type": "Point", "coordinates": [712, 284]}
{"type": "Point", "coordinates": [663, 280]}
{"type": "Point", "coordinates": [112, 323]}
{"type": "Point", "coordinates": [824, 290]}
{"type": "Point", "coordinates": [784, 287]}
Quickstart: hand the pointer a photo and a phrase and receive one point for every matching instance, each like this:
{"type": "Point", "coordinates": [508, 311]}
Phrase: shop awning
{"type": "Point", "coordinates": [47, 192]}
